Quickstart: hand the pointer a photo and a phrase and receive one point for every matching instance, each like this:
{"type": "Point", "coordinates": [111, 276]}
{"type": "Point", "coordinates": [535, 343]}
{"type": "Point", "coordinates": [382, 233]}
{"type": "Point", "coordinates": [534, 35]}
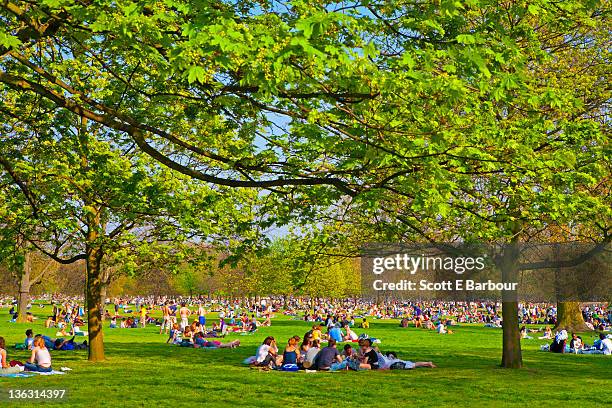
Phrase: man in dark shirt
{"type": "Point", "coordinates": [329, 358]}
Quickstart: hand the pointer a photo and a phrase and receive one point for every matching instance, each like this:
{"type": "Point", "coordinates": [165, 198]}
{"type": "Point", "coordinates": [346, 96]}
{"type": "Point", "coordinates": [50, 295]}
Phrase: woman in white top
{"type": "Point", "coordinates": [40, 359]}
{"type": "Point", "coordinates": [266, 353]}
{"type": "Point", "coordinates": [350, 335]}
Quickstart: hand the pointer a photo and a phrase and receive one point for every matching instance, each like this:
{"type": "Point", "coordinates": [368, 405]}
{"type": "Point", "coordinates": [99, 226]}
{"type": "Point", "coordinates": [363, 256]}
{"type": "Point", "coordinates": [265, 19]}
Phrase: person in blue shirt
{"type": "Point", "coordinates": [336, 334]}
{"type": "Point", "coordinates": [29, 341]}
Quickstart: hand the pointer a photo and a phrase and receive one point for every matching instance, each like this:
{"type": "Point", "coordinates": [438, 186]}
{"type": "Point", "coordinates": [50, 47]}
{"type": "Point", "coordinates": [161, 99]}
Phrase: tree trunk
{"type": "Point", "coordinates": [569, 317]}
{"type": "Point", "coordinates": [511, 355]}
{"type": "Point", "coordinates": [93, 292]}
{"type": "Point", "coordinates": [103, 289]}
{"type": "Point", "coordinates": [24, 289]}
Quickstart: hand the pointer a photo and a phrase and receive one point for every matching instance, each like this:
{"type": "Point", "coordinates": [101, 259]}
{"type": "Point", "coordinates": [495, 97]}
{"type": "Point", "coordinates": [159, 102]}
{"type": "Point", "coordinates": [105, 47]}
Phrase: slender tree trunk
{"type": "Point", "coordinates": [93, 291]}
{"type": "Point", "coordinates": [511, 355]}
{"type": "Point", "coordinates": [569, 317]}
{"type": "Point", "coordinates": [24, 289]}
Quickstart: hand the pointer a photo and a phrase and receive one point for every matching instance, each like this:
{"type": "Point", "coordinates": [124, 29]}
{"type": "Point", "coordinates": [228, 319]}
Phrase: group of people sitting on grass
{"type": "Point", "coordinates": [196, 336]}
{"type": "Point", "coordinates": [311, 355]}
{"type": "Point", "coordinates": [39, 361]}
{"type": "Point", "coordinates": [440, 326]}
{"type": "Point", "coordinates": [601, 345]}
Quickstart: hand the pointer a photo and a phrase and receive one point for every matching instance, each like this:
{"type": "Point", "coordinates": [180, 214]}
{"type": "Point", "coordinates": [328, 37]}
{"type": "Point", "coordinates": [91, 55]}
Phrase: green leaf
{"type": "Point", "coordinates": [465, 39]}
{"type": "Point", "coordinates": [196, 73]}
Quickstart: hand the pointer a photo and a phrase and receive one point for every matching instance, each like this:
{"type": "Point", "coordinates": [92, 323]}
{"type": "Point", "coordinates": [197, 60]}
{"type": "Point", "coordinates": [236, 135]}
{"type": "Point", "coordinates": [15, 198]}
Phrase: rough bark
{"type": "Point", "coordinates": [93, 293]}
{"type": "Point", "coordinates": [24, 289]}
{"type": "Point", "coordinates": [569, 317]}
{"type": "Point", "coordinates": [511, 355]}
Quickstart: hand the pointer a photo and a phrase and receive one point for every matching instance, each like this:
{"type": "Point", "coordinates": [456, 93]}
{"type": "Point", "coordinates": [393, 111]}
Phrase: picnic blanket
{"type": "Point", "coordinates": [25, 374]}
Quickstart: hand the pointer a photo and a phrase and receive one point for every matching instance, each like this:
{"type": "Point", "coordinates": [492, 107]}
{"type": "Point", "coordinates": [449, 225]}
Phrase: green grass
{"type": "Point", "coordinates": [141, 370]}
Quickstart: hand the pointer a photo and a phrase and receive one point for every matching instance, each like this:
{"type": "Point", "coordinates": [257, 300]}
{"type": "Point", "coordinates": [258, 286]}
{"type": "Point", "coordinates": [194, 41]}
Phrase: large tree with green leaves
{"type": "Point", "coordinates": [73, 193]}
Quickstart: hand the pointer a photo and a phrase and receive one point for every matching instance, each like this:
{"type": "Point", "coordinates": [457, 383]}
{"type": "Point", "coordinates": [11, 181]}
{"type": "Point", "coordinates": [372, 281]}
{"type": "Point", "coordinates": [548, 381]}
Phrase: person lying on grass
{"type": "Point", "coordinates": [65, 345]}
{"type": "Point", "coordinates": [200, 341]}
{"type": "Point", "coordinates": [389, 361]}
{"type": "Point", "coordinates": [5, 368]}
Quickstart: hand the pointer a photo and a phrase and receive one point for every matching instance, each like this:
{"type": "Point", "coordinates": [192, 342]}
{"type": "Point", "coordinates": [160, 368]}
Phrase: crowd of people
{"type": "Point", "coordinates": [184, 321]}
{"type": "Point", "coordinates": [234, 310]}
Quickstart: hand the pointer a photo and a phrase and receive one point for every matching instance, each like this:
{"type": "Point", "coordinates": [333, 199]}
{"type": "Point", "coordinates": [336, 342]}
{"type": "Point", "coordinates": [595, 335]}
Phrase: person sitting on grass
{"type": "Point", "coordinates": [576, 343]}
{"type": "Point", "coordinates": [558, 345]}
{"type": "Point", "coordinates": [441, 329]}
{"type": "Point", "coordinates": [348, 352]}
{"type": "Point", "coordinates": [311, 354]}
{"type": "Point", "coordinates": [548, 334]}
{"type": "Point", "coordinates": [336, 333]}
{"type": "Point", "coordinates": [40, 360]}
{"type": "Point", "coordinates": [29, 341]}
{"type": "Point", "coordinates": [253, 325]}
{"type": "Point", "coordinates": [329, 359]}
{"type": "Point", "coordinates": [316, 332]}
{"type": "Point", "coordinates": [50, 322]}
{"type": "Point", "coordinates": [306, 343]}
{"type": "Point", "coordinates": [368, 359]}
{"type": "Point", "coordinates": [5, 368]}
{"type": "Point", "coordinates": [524, 334]}
{"type": "Point", "coordinates": [175, 335]}
{"type": "Point", "coordinates": [267, 353]}
{"type": "Point", "coordinates": [291, 355]}
{"type": "Point", "coordinates": [187, 337]}
{"type": "Point", "coordinates": [602, 346]}
{"type": "Point", "coordinates": [365, 324]}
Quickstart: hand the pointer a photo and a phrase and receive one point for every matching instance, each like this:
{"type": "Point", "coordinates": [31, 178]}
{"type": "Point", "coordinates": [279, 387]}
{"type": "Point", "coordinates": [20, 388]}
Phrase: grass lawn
{"type": "Point", "coordinates": [141, 370]}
